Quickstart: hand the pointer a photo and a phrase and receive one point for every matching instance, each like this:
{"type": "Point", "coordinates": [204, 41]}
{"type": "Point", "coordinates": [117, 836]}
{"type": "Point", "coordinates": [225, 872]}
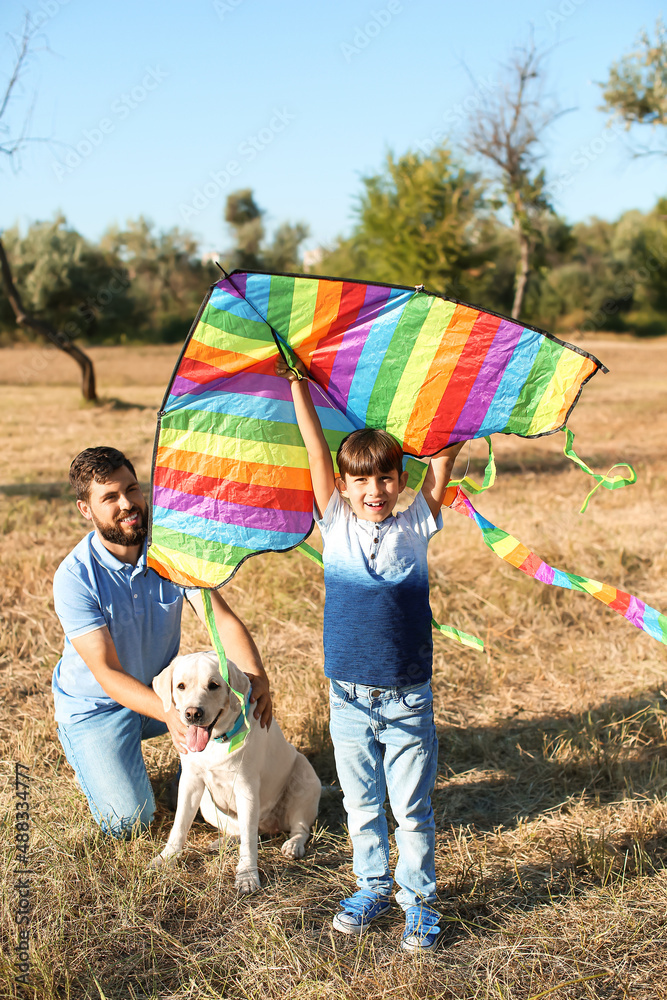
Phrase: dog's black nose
{"type": "Point", "coordinates": [194, 715]}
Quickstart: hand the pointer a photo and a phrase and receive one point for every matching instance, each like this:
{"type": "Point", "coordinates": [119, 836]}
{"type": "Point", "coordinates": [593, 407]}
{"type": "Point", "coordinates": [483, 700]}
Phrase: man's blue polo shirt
{"type": "Point", "coordinates": [91, 589]}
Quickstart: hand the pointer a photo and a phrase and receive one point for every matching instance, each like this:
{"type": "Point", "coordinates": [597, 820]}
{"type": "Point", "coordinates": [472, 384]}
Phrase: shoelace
{"type": "Point", "coordinates": [423, 921]}
{"type": "Point", "coordinates": [360, 904]}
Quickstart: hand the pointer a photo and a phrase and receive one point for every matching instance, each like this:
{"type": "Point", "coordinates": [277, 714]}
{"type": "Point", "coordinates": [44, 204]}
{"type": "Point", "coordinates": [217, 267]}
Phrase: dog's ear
{"type": "Point", "coordinates": [237, 679]}
{"type": "Point", "coordinates": [212, 658]}
{"type": "Point", "coordinates": [162, 686]}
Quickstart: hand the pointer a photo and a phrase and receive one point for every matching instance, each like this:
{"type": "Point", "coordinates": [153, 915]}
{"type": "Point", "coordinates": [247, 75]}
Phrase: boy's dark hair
{"type": "Point", "coordinates": [367, 452]}
{"type": "Point", "coordinates": [95, 464]}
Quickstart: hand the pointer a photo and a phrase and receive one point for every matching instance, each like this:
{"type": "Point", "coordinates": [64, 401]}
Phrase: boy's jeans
{"type": "Point", "coordinates": [384, 741]}
{"type": "Point", "coordinates": [105, 752]}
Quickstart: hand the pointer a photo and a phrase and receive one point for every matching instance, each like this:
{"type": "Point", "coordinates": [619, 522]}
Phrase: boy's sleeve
{"type": "Point", "coordinates": [334, 511]}
{"type": "Point", "coordinates": [419, 517]}
{"type": "Point", "coordinates": [77, 605]}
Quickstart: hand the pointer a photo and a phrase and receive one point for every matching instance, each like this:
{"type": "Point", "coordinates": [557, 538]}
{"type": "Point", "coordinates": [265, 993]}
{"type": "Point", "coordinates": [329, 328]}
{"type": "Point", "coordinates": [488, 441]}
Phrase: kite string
{"type": "Point", "coordinates": [489, 474]}
{"type": "Point", "coordinates": [212, 627]}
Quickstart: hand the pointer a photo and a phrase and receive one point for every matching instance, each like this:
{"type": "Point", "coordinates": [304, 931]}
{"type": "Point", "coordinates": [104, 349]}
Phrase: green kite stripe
{"type": "Point", "coordinates": [390, 373]}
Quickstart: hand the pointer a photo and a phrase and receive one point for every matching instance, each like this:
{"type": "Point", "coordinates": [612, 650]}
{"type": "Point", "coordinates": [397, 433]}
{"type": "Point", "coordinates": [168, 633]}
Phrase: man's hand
{"type": "Point", "coordinates": [177, 729]}
{"type": "Point", "coordinates": [260, 695]}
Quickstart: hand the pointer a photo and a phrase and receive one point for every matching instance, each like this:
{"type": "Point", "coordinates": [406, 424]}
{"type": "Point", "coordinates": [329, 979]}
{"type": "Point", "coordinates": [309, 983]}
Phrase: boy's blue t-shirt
{"type": "Point", "coordinates": [377, 615]}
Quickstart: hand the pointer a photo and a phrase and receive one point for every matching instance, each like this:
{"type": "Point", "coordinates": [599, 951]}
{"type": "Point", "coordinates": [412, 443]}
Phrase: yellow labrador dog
{"type": "Point", "coordinates": [245, 779]}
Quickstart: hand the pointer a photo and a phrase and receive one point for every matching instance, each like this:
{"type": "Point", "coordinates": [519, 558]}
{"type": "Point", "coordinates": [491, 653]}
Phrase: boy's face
{"type": "Point", "coordinates": [374, 497]}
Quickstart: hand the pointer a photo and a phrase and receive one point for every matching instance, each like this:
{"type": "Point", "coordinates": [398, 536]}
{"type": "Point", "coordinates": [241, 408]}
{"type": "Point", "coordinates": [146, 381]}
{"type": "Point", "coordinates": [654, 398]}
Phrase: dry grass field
{"type": "Point", "coordinates": [550, 798]}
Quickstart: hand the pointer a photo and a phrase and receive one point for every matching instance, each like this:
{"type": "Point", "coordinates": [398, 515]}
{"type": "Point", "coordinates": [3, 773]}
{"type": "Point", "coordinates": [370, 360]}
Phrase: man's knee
{"type": "Point", "coordinates": [123, 824]}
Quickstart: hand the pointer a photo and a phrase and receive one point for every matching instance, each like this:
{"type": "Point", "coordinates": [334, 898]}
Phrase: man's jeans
{"type": "Point", "coordinates": [105, 752]}
{"type": "Point", "coordinates": [384, 741]}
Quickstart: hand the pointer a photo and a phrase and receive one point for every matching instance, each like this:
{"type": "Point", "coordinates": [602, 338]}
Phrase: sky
{"type": "Point", "coordinates": [162, 109]}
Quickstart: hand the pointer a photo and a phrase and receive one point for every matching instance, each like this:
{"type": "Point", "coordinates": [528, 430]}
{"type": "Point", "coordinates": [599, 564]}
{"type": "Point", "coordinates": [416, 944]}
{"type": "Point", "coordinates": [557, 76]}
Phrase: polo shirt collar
{"type": "Point", "coordinates": [370, 527]}
{"type": "Point", "coordinates": [111, 562]}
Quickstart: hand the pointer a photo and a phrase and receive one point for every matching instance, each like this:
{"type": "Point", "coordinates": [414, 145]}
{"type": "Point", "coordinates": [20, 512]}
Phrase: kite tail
{"type": "Point", "coordinates": [512, 551]}
{"type": "Point", "coordinates": [219, 648]}
{"type": "Point", "coordinates": [452, 633]}
{"type": "Point", "coordinates": [608, 481]}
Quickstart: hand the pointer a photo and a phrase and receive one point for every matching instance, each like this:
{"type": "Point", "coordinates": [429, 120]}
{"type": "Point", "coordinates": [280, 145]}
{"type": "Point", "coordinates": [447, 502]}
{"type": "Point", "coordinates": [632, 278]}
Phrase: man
{"type": "Point", "coordinates": [122, 625]}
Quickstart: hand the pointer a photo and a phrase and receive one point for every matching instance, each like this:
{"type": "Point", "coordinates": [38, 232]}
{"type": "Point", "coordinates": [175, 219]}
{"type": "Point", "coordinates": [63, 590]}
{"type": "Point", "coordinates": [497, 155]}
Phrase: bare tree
{"type": "Point", "coordinates": [507, 131]}
{"type": "Point", "coordinates": [11, 145]}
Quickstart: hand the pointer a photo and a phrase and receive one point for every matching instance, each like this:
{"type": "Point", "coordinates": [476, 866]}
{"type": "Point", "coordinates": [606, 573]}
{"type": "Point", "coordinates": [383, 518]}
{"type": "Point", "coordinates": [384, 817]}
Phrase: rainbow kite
{"type": "Point", "coordinates": [230, 471]}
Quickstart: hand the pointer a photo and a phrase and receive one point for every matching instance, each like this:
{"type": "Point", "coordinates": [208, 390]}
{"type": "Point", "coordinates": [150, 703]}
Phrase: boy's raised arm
{"type": "Point", "coordinates": [319, 456]}
{"type": "Point", "coordinates": [438, 476]}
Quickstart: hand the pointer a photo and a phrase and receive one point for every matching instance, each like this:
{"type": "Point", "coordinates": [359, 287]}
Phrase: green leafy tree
{"type": "Point", "coordinates": [606, 276]}
{"type": "Point", "coordinates": [62, 276]}
{"type": "Point", "coordinates": [424, 220]}
{"type": "Point", "coordinates": [166, 278]}
{"type": "Point", "coordinates": [640, 248]}
{"type": "Point", "coordinates": [251, 252]}
{"type": "Point", "coordinates": [244, 217]}
{"type": "Point", "coordinates": [636, 89]}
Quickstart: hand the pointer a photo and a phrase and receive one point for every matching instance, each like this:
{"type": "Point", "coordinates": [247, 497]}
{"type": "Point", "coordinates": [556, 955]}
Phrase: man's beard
{"type": "Point", "coordinates": [119, 536]}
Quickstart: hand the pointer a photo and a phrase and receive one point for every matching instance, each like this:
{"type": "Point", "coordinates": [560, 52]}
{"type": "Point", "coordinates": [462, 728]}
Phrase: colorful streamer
{"type": "Point", "coordinates": [508, 548]}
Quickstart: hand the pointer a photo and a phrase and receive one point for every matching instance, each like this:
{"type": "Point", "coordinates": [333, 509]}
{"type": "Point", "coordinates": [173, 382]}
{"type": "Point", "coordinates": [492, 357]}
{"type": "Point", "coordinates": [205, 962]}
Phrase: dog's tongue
{"type": "Point", "coordinates": [196, 738]}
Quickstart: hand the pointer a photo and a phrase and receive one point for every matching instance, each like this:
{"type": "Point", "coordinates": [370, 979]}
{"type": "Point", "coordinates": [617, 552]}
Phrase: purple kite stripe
{"type": "Point", "coordinates": [635, 612]}
{"type": "Point", "coordinates": [488, 379]}
{"type": "Point", "coordinates": [263, 518]}
{"type": "Point", "coordinates": [237, 289]}
{"type": "Point", "coordinates": [252, 384]}
{"type": "Point", "coordinates": [352, 344]}
{"type": "Point", "coordinates": [545, 574]}
{"type": "Point", "coordinates": [182, 386]}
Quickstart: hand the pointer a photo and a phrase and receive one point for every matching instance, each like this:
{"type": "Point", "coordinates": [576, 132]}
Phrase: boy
{"type": "Point", "coordinates": [378, 657]}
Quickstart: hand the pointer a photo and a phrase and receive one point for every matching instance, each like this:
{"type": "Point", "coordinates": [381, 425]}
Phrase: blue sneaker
{"type": "Point", "coordinates": [422, 932]}
{"type": "Point", "coordinates": [359, 910]}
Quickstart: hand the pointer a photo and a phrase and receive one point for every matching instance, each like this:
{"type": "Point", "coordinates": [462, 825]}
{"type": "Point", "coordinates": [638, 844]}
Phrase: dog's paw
{"type": "Point", "coordinates": [164, 860]}
{"type": "Point", "coordinates": [294, 847]}
{"type": "Point", "coordinates": [247, 881]}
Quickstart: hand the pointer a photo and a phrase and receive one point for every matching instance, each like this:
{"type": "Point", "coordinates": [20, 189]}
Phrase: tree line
{"type": "Point", "coordinates": [472, 218]}
{"type": "Point", "coordinates": [424, 219]}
